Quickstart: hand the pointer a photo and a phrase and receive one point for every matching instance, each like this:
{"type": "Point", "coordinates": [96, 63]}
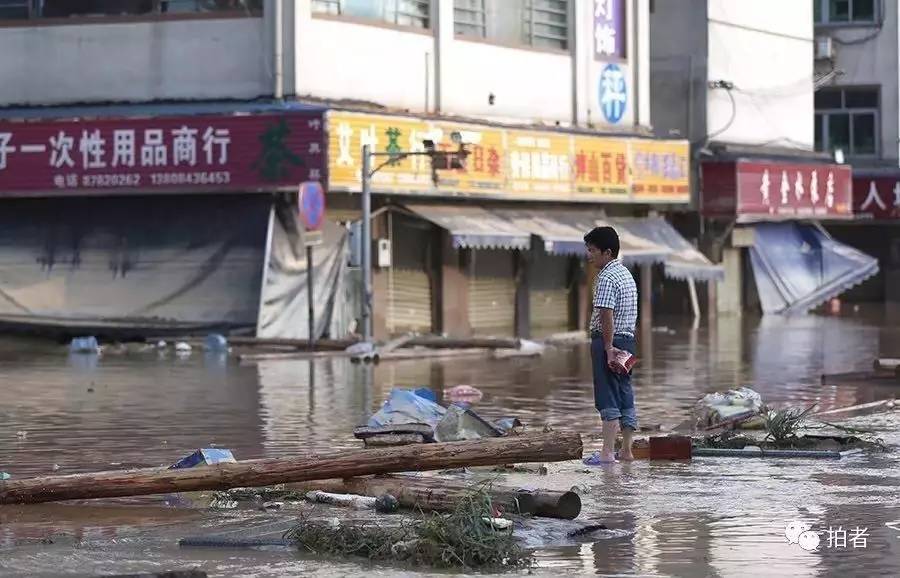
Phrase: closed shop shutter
{"type": "Point", "coordinates": [492, 293]}
{"type": "Point", "coordinates": [409, 285]}
{"type": "Point", "coordinates": [549, 293]}
{"type": "Point", "coordinates": [410, 304]}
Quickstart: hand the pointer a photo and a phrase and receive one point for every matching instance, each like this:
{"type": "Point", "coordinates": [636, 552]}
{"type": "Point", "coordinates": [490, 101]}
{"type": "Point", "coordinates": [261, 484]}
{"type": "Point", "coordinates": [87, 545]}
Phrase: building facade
{"type": "Point", "coordinates": [140, 149]}
{"type": "Point", "coordinates": [856, 112]}
{"type": "Point", "coordinates": [744, 91]}
{"type": "Point", "coordinates": [123, 111]}
{"type": "Point", "coordinates": [553, 98]}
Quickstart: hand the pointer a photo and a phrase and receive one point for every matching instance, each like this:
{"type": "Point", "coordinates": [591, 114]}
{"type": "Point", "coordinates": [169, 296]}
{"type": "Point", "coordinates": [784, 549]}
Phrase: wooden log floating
{"type": "Point", "coordinates": [431, 493]}
{"type": "Point", "coordinates": [547, 447]}
{"type": "Point", "coordinates": [436, 342]}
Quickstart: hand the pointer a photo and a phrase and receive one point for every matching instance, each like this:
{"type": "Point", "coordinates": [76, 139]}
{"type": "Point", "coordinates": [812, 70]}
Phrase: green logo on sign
{"type": "Point", "coordinates": [274, 164]}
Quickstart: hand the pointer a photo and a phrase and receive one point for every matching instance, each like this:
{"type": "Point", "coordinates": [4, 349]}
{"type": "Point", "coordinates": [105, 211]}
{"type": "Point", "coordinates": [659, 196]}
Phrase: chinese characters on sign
{"type": "Point", "coordinates": [613, 93]}
{"type": "Point", "coordinates": [876, 197]}
{"type": "Point", "coordinates": [782, 190]}
{"type": "Point", "coordinates": [661, 168]}
{"type": "Point", "coordinates": [509, 163]}
{"type": "Point", "coordinates": [601, 166]}
{"type": "Point", "coordinates": [208, 152]}
{"type": "Point", "coordinates": [349, 132]}
{"type": "Point", "coordinates": [539, 163]}
{"type": "Point", "coordinates": [609, 29]}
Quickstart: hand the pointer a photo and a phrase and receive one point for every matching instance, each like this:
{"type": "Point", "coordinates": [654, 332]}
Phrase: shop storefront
{"type": "Point", "coordinates": [875, 230]}
{"type": "Point", "coordinates": [779, 257]}
{"type": "Point", "coordinates": [505, 254]}
{"type": "Point", "coordinates": [150, 221]}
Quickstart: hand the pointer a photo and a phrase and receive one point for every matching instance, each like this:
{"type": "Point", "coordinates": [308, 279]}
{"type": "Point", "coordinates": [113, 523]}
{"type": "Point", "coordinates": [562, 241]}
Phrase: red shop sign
{"type": "Point", "coordinates": [876, 197]}
{"type": "Point", "coordinates": [179, 154]}
{"type": "Point", "coordinates": [775, 190]}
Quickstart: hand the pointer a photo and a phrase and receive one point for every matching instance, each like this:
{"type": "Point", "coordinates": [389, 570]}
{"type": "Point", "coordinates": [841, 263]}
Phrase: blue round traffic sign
{"type": "Point", "coordinates": [312, 205]}
{"type": "Point", "coordinates": [613, 93]}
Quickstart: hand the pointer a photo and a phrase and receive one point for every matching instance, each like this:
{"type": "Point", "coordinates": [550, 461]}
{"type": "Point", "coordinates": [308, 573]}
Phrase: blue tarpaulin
{"type": "Point", "coordinates": [798, 266]}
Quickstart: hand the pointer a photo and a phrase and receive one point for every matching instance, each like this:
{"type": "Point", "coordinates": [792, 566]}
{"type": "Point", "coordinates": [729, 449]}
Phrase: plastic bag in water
{"type": "Point", "coordinates": [84, 345]}
{"type": "Point", "coordinates": [404, 406]}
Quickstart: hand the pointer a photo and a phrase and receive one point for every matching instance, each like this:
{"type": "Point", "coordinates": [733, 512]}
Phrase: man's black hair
{"type": "Point", "coordinates": [603, 238]}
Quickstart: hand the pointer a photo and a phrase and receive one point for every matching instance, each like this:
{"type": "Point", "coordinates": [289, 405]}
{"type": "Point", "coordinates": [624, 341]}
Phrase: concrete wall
{"type": "Point", "coordinates": [344, 58]}
{"type": "Point", "coordinates": [869, 64]}
{"type": "Point", "coordinates": [142, 61]}
{"type": "Point", "coordinates": [678, 49]}
{"type": "Point", "coordinates": [527, 84]}
{"type": "Point", "coordinates": [765, 48]}
{"type": "Point", "coordinates": [730, 290]}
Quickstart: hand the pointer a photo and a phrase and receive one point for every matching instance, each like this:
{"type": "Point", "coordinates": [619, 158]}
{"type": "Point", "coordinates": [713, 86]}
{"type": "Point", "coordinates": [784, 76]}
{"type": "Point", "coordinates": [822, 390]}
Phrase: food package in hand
{"type": "Point", "coordinates": [621, 361]}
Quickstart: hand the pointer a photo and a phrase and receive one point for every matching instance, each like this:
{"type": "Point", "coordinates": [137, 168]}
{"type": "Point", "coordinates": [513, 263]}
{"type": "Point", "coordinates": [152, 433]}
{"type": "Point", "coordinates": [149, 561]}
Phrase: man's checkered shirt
{"type": "Point", "coordinates": [615, 289]}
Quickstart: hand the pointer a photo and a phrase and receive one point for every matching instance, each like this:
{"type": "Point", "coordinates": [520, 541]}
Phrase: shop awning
{"type": "Point", "coordinates": [474, 227]}
{"type": "Point", "coordinates": [562, 233]}
{"type": "Point", "coordinates": [798, 266]}
{"type": "Point", "coordinates": [559, 238]}
{"type": "Point", "coordinates": [684, 261]}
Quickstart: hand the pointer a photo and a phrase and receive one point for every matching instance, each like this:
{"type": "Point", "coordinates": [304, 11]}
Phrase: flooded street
{"type": "Point", "coordinates": [711, 517]}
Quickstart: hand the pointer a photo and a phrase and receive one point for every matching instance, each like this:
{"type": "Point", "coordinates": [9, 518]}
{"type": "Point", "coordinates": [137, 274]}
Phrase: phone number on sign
{"type": "Point", "coordinates": [198, 178]}
{"type": "Point", "coordinates": [136, 180]}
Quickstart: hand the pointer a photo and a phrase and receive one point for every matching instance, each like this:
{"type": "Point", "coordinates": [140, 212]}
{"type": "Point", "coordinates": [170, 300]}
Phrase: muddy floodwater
{"type": "Point", "coordinates": [710, 517]}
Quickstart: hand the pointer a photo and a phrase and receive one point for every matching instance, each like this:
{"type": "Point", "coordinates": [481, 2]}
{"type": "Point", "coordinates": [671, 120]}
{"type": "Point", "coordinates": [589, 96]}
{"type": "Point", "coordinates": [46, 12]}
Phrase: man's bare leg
{"type": "Point", "coordinates": [627, 439]}
{"type": "Point", "coordinates": [609, 431]}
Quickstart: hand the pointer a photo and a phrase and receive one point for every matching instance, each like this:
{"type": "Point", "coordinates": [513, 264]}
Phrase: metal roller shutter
{"type": "Point", "coordinates": [492, 293]}
{"type": "Point", "coordinates": [409, 285]}
{"type": "Point", "coordinates": [549, 294]}
{"type": "Point", "coordinates": [409, 308]}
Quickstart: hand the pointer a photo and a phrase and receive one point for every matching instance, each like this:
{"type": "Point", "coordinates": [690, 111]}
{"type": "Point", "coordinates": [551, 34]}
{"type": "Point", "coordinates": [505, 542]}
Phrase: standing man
{"type": "Point", "coordinates": [612, 327]}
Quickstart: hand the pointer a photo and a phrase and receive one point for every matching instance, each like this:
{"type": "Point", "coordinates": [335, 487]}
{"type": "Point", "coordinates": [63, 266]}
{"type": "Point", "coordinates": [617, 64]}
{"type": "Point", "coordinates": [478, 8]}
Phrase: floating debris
{"type": "Point", "coordinates": [501, 524]}
{"type": "Point", "coordinates": [346, 500]}
{"type": "Point", "coordinates": [387, 504]}
{"type": "Point", "coordinates": [589, 529]}
{"type": "Point", "coordinates": [262, 495]}
{"type": "Point", "coordinates": [463, 393]}
{"type": "Point", "coordinates": [216, 343]}
{"type": "Point", "coordinates": [86, 345]}
{"type": "Point", "coordinates": [205, 456]}
{"type": "Point", "coordinates": [459, 540]}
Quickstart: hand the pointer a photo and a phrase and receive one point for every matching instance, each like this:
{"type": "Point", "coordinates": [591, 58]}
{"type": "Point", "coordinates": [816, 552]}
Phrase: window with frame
{"type": "Point", "coordinates": [846, 11]}
{"type": "Point", "coordinates": [847, 119]}
{"type": "Point", "coordinates": [413, 13]}
{"type": "Point", "coordinates": [25, 9]}
{"type": "Point", "coordinates": [539, 23]}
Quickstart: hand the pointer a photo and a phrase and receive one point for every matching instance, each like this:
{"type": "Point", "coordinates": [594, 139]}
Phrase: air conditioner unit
{"type": "Point", "coordinates": [824, 48]}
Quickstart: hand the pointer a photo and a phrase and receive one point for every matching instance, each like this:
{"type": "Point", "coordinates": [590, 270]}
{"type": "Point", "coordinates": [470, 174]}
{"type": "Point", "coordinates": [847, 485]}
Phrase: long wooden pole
{"type": "Point", "coordinates": [548, 447]}
{"type": "Point", "coordinates": [431, 493]}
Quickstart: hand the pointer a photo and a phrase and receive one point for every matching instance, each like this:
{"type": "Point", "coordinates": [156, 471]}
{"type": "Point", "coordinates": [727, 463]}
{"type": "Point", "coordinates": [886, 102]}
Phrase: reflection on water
{"type": "Point", "coordinates": [710, 517]}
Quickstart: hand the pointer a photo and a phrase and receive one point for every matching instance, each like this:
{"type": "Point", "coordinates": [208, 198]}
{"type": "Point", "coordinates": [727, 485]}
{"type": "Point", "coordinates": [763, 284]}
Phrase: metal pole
{"type": "Point", "coordinates": [309, 298]}
{"type": "Point", "coordinates": [279, 50]}
{"type": "Point", "coordinates": [366, 244]}
{"type": "Point", "coordinates": [695, 302]}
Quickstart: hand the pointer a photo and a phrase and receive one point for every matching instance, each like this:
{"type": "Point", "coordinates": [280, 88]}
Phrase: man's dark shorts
{"type": "Point", "coordinates": [613, 395]}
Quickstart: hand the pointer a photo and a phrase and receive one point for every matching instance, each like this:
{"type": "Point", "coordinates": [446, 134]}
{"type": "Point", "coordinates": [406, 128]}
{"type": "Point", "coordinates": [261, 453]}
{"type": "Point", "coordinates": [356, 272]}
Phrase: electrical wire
{"type": "Point", "coordinates": [728, 124]}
